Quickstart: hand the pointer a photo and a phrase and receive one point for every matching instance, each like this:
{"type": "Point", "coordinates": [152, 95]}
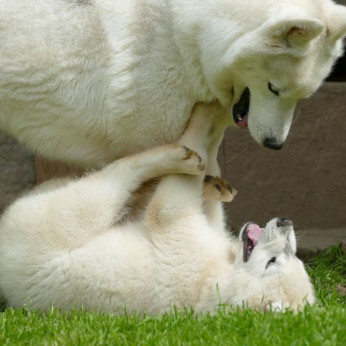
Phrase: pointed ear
{"type": "Point", "coordinates": [336, 28]}
{"type": "Point", "coordinates": [295, 32]}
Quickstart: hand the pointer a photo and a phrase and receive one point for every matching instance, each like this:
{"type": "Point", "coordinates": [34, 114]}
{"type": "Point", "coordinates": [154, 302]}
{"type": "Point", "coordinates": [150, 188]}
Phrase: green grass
{"type": "Point", "coordinates": [321, 324]}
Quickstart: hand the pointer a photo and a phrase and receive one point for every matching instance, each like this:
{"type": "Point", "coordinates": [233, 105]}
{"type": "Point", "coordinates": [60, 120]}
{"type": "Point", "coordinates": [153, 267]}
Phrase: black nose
{"type": "Point", "coordinates": [272, 143]}
{"type": "Point", "coordinates": [282, 222]}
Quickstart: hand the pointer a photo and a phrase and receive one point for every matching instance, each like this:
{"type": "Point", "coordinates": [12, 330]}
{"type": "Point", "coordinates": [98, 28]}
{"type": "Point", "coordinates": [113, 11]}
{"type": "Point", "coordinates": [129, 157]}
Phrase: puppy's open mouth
{"type": "Point", "coordinates": [250, 237]}
{"type": "Point", "coordinates": [241, 109]}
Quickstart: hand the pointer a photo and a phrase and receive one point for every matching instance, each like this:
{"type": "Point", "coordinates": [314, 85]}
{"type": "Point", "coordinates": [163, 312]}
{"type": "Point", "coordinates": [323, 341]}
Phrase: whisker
{"type": "Point", "coordinates": [297, 115]}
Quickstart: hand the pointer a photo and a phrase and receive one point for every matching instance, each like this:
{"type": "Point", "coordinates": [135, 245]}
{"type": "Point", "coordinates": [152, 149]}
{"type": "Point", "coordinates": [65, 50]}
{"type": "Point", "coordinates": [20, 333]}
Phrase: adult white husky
{"type": "Point", "coordinates": [70, 246]}
{"type": "Point", "coordinates": [89, 81]}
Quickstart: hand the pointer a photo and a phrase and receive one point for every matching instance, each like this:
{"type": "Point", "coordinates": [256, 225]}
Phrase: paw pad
{"type": "Point", "coordinates": [218, 189]}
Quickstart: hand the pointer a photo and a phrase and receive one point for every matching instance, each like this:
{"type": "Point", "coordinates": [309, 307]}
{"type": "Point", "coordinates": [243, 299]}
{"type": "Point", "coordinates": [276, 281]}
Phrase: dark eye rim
{"type": "Point", "coordinates": [272, 260]}
{"type": "Point", "coordinates": [273, 89]}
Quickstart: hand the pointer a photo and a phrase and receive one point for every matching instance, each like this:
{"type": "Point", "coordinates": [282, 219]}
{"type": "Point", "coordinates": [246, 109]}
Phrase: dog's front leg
{"type": "Point", "coordinates": [213, 207]}
{"type": "Point", "coordinates": [178, 198]}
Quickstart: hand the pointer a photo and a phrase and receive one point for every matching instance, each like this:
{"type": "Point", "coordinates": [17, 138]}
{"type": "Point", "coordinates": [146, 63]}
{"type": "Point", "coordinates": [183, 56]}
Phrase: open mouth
{"type": "Point", "coordinates": [241, 109]}
{"type": "Point", "coordinates": [250, 237]}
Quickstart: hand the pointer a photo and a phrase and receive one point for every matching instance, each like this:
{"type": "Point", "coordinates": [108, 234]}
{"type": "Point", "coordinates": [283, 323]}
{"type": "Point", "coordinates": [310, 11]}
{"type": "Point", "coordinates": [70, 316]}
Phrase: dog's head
{"type": "Point", "coordinates": [274, 65]}
{"type": "Point", "coordinates": [266, 270]}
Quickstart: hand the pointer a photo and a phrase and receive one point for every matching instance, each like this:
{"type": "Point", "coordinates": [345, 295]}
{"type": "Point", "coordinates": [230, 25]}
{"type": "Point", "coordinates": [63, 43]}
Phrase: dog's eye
{"type": "Point", "coordinates": [271, 261]}
{"type": "Point", "coordinates": [273, 89]}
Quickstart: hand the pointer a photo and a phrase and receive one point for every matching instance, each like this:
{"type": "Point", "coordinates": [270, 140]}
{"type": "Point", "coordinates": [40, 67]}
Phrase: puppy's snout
{"type": "Point", "coordinates": [284, 222]}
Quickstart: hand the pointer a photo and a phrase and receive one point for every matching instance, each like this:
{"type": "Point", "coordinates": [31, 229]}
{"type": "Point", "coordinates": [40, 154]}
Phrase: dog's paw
{"type": "Point", "coordinates": [215, 188]}
{"type": "Point", "coordinates": [194, 159]}
{"type": "Point", "coordinates": [191, 162]}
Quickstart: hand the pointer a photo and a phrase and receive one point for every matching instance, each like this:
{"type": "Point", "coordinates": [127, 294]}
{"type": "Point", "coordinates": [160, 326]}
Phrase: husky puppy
{"type": "Point", "coordinates": [69, 245]}
{"type": "Point", "coordinates": [91, 81]}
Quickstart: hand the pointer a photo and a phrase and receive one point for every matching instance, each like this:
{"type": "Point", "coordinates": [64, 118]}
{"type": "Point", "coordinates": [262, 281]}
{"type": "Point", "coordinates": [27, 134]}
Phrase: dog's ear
{"type": "Point", "coordinates": [293, 29]}
{"type": "Point", "coordinates": [336, 27]}
{"type": "Point", "coordinates": [294, 32]}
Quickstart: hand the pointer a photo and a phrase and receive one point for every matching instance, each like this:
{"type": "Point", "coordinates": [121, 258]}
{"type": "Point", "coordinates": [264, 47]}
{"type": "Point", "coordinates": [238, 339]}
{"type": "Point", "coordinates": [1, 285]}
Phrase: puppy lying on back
{"type": "Point", "coordinates": [71, 247]}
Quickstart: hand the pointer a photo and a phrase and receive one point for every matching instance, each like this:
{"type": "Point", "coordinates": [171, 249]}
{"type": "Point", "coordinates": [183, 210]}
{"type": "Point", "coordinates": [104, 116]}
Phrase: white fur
{"type": "Point", "coordinates": [91, 81]}
{"type": "Point", "coordinates": [69, 244]}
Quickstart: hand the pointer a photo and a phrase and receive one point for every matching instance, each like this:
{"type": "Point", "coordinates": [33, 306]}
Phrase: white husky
{"type": "Point", "coordinates": [71, 247]}
{"type": "Point", "coordinates": [89, 81]}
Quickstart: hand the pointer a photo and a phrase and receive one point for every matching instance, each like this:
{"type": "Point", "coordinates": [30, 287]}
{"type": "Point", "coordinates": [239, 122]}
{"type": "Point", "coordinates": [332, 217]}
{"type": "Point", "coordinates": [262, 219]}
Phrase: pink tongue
{"type": "Point", "coordinates": [243, 122]}
{"type": "Point", "coordinates": [254, 232]}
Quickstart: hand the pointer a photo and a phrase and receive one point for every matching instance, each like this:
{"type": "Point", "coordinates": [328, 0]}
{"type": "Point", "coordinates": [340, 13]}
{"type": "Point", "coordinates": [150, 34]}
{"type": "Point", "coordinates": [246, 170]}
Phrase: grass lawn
{"type": "Point", "coordinates": [321, 324]}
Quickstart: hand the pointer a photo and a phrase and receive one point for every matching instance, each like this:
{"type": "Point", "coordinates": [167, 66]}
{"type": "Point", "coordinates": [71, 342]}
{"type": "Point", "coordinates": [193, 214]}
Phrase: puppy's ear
{"type": "Point", "coordinates": [293, 30]}
{"type": "Point", "coordinates": [336, 27]}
